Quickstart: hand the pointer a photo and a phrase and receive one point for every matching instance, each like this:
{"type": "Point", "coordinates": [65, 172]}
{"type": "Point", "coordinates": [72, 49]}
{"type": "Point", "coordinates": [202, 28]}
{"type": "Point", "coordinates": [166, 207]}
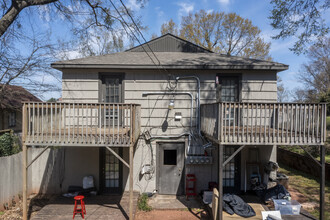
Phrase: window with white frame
{"type": "Point", "coordinates": [12, 119]}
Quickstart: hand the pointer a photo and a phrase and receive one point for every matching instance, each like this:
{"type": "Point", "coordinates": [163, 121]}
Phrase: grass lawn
{"type": "Point", "coordinates": [327, 158]}
{"type": "Point", "coordinates": [298, 150]}
{"type": "Point", "coordinates": [309, 187]}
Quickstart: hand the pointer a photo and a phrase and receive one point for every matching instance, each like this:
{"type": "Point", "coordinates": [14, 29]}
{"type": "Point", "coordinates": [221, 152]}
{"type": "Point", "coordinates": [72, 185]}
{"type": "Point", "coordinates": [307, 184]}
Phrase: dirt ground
{"type": "Point", "coordinates": [173, 215]}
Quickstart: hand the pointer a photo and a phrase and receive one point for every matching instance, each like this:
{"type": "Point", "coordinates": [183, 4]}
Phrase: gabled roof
{"type": "Point", "coordinates": [169, 60]}
{"type": "Point", "coordinates": [13, 96]}
{"type": "Point", "coordinates": [166, 50]}
{"type": "Point", "coordinates": [169, 43]}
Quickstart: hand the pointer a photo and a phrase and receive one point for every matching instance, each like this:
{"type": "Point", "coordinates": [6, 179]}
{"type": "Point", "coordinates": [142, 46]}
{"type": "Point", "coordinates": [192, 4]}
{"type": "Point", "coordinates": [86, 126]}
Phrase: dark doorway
{"type": "Point", "coordinates": [111, 174]}
{"type": "Point", "coordinates": [170, 168]}
{"type": "Point", "coordinates": [231, 172]}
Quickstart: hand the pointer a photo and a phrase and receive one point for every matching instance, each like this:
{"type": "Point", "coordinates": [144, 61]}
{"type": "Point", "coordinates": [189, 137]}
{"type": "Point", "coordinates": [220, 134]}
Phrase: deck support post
{"type": "Point", "coordinates": [322, 182]}
{"type": "Point", "coordinates": [37, 157]}
{"type": "Point", "coordinates": [131, 181]}
{"type": "Point", "coordinates": [220, 201]}
{"type": "Point", "coordinates": [24, 154]}
{"type": "Point", "coordinates": [233, 155]}
{"type": "Point", "coordinates": [118, 157]}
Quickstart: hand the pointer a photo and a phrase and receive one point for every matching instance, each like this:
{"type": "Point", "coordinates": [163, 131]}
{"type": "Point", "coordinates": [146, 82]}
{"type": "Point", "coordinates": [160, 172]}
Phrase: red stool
{"type": "Point", "coordinates": [77, 209]}
{"type": "Point", "coordinates": [190, 185]}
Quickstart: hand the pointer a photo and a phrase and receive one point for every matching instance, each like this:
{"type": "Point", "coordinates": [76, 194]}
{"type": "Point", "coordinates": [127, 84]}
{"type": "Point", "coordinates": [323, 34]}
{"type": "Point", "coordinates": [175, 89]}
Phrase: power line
{"type": "Point", "coordinates": [125, 23]}
{"type": "Point", "coordinates": [139, 31]}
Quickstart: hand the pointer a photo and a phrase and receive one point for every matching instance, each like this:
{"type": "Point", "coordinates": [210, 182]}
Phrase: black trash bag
{"type": "Point", "coordinates": [234, 204]}
{"type": "Point", "coordinates": [277, 192]}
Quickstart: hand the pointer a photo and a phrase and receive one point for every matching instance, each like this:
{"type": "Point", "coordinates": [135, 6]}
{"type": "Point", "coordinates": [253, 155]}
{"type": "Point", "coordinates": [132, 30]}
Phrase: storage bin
{"type": "Point", "coordinates": [287, 207]}
{"type": "Point", "coordinates": [207, 197]}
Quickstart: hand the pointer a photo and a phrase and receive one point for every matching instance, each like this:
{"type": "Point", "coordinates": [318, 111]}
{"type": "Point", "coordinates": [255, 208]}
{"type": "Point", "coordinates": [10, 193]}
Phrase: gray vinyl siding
{"type": "Point", "coordinates": [83, 85]}
{"type": "Point", "coordinates": [259, 86]}
{"type": "Point", "coordinates": [80, 85]}
{"type": "Point", "coordinates": [154, 108]}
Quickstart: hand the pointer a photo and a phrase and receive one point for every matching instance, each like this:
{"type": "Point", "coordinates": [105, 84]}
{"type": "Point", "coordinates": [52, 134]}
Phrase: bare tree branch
{"type": "Point", "coordinates": [15, 8]}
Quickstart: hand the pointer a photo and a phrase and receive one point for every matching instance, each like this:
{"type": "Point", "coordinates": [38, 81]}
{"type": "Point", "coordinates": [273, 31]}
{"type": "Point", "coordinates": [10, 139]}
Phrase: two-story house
{"type": "Point", "coordinates": [143, 119]}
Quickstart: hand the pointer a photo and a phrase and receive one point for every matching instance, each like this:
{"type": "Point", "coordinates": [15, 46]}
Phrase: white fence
{"type": "Point", "coordinates": [44, 175]}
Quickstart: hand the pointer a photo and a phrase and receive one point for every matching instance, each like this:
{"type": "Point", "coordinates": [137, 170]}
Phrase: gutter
{"type": "Point", "coordinates": [60, 66]}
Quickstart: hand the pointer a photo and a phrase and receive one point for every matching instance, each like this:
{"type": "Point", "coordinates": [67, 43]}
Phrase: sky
{"type": "Point", "coordinates": [156, 12]}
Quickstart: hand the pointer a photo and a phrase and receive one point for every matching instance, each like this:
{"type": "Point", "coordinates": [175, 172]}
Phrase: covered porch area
{"type": "Point", "coordinates": [259, 125]}
{"type": "Point", "coordinates": [97, 207]}
{"type": "Point", "coordinates": [78, 127]}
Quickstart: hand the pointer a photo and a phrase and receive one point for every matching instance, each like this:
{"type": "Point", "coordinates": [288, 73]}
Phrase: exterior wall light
{"type": "Point", "coordinates": [171, 104]}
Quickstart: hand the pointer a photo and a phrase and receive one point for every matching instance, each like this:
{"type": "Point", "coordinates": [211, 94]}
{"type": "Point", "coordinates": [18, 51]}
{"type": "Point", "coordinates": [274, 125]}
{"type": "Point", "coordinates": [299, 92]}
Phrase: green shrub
{"type": "Point", "coordinates": [143, 203]}
{"type": "Point", "coordinates": [9, 144]}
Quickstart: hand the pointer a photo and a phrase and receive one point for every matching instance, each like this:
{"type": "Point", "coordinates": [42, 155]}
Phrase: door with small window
{"type": "Point", "coordinates": [170, 168]}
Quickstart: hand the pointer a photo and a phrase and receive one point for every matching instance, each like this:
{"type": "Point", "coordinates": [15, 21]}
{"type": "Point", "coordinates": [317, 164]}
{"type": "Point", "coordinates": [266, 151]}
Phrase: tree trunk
{"type": "Point", "coordinates": [16, 7]}
{"type": "Point", "coordinates": [9, 17]}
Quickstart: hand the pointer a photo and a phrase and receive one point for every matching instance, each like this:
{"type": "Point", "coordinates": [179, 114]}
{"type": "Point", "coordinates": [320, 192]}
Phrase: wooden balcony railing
{"type": "Point", "coordinates": [80, 124]}
{"type": "Point", "coordinates": [264, 123]}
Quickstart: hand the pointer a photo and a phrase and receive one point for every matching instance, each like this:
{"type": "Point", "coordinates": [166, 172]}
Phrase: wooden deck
{"type": "Point", "coordinates": [264, 123]}
{"type": "Point", "coordinates": [80, 124]}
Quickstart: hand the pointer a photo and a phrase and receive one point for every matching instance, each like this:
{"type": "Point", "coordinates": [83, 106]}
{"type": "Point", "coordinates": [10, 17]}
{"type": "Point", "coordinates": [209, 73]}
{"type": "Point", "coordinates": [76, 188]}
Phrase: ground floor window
{"type": "Point", "coordinates": [12, 119]}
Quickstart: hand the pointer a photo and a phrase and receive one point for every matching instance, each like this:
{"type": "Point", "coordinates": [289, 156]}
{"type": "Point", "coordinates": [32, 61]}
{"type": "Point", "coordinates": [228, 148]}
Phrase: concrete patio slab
{"type": "Point", "coordinates": [173, 202]}
{"type": "Point", "coordinates": [97, 207]}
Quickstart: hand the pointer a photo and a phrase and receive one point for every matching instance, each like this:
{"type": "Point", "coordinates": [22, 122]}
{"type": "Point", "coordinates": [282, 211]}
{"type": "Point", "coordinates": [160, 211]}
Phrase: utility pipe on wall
{"type": "Point", "coordinates": [175, 93]}
{"type": "Point", "coordinates": [198, 113]}
{"type": "Point", "coordinates": [191, 114]}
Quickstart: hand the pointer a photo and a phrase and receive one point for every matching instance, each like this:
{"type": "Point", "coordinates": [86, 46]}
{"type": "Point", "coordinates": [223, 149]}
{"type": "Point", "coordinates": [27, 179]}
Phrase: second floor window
{"type": "Point", "coordinates": [229, 89]}
{"type": "Point", "coordinates": [112, 93]}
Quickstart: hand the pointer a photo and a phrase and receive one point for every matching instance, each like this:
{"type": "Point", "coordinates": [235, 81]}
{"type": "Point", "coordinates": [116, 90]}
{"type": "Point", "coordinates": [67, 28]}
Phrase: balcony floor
{"type": "Point", "coordinates": [266, 135]}
{"type": "Point", "coordinates": [81, 136]}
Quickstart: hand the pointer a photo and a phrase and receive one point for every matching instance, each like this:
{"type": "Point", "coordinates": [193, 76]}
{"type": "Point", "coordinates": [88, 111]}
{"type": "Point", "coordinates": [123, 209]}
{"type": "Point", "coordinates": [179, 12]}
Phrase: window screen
{"type": "Point", "coordinates": [229, 89]}
{"type": "Point", "coordinates": [112, 93]}
{"type": "Point", "coordinates": [170, 157]}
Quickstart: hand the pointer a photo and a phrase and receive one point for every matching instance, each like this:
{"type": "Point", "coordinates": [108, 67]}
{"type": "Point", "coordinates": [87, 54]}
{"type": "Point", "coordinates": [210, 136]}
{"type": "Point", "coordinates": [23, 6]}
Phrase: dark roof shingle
{"type": "Point", "coordinates": [13, 96]}
{"type": "Point", "coordinates": [171, 52]}
{"type": "Point", "coordinates": [170, 60]}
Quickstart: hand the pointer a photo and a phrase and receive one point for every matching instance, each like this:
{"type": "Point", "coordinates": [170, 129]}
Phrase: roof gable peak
{"type": "Point", "coordinates": [169, 43]}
